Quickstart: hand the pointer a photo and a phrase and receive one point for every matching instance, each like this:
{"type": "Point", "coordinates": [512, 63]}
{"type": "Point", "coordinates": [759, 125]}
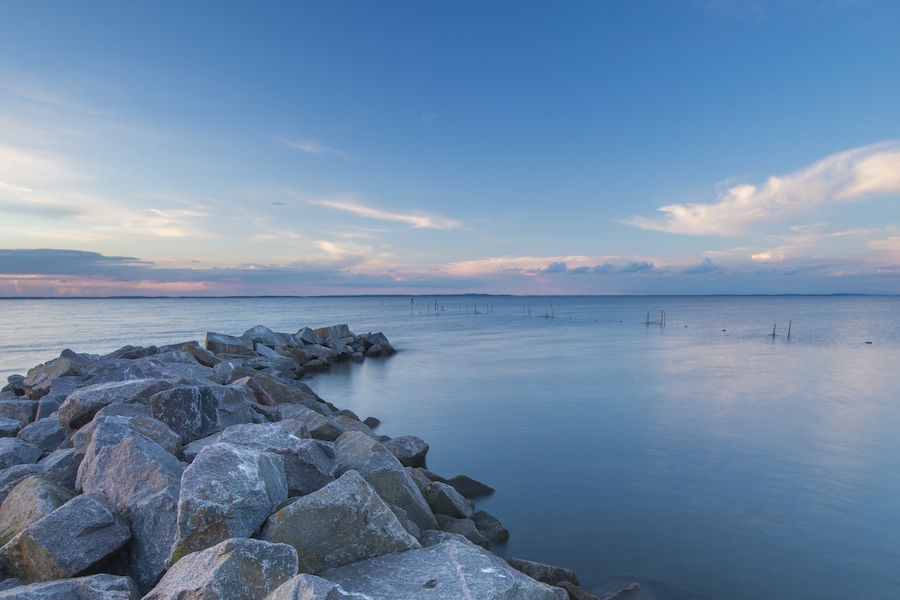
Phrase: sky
{"type": "Point", "coordinates": [300, 148]}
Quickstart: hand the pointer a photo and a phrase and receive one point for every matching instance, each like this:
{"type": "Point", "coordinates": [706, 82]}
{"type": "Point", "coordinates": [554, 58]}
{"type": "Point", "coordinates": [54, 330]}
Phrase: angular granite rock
{"type": "Point", "coordinates": [342, 523]}
{"type": "Point", "coordinates": [236, 569]}
{"type": "Point", "coordinates": [20, 408]}
{"type": "Point", "coordinates": [14, 451]}
{"type": "Point", "coordinates": [463, 527]}
{"type": "Point", "coordinates": [30, 500]}
{"type": "Point", "coordinates": [307, 467]}
{"type": "Point", "coordinates": [94, 587]}
{"type": "Point", "coordinates": [37, 382]}
{"type": "Point", "coordinates": [219, 343]}
{"type": "Point", "coordinates": [448, 571]}
{"type": "Point", "coordinates": [310, 587]}
{"type": "Point", "coordinates": [82, 404]}
{"type": "Point", "coordinates": [468, 487]}
{"type": "Point", "coordinates": [227, 492]}
{"type": "Point", "coordinates": [142, 480]}
{"type": "Point", "coordinates": [196, 412]}
{"type": "Point", "coordinates": [9, 427]}
{"type": "Point", "coordinates": [351, 423]}
{"type": "Point", "coordinates": [549, 574]}
{"type": "Point", "coordinates": [409, 450]}
{"type": "Point", "coordinates": [47, 434]}
{"type": "Point", "coordinates": [320, 427]}
{"type": "Point", "coordinates": [358, 452]}
{"type": "Point", "coordinates": [490, 527]}
{"type": "Point", "coordinates": [80, 533]}
{"type": "Point", "coordinates": [445, 500]}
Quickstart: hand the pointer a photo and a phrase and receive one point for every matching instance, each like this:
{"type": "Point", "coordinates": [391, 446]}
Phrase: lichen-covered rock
{"type": "Point", "coordinates": [549, 574]}
{"type": "Point", "coordinates": [14, 451]}
{"type": "Point", "coordinates": [307, 467]}
{"type": "Point", "coordinates": [409, 450]}
{"type": "Point", "coordinates": [344, 522]}
{"type": "Point", "coordinates": [310, 587]}
{"type": "Point", "coordinates": [227, 492]}
{"type": "Point", "coordinates": [196, 412]}
{"type": "Point", "coordinates": [80, 533]}
{"type": "Point", "coordinates": [47, 434]}
{"type": "Point", "coordinates": [81, 405]}
{"type": "Point", "coordinates": [444, 500]}
{"type": "Point", "coordinates": [448, 571]}
{"type": "Point", "coordinates": [358, 452]}
{"type": "Point", "coordinates": [94, 587]}
{"type": "Point", "coordinates": [142, 480]}
{"type": "Point", "coordinates": [236, 569]}
{"type": "Point", "coordinates": [30, 500]}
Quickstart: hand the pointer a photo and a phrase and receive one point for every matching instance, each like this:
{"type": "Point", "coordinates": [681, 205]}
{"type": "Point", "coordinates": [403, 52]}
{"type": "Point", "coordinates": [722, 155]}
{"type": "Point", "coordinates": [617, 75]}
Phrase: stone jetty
{"type": "Point", "coordinates": [213, 472]}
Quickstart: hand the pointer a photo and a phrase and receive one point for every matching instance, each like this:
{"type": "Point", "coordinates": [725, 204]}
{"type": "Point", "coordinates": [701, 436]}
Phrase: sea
{"type": "Point", "coordinates": [706, 447]}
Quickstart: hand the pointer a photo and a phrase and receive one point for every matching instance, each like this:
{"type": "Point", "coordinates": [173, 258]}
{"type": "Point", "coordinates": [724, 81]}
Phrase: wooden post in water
{"type": "Point", "coordinates": [648, 317]}
{"type": "Point", "coordinates": [773, 329]}
{"type": "Point", "coordinates": [789, 329]}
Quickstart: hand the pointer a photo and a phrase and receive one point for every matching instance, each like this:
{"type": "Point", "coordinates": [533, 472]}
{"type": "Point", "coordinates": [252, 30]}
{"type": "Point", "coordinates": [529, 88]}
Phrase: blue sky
{"type": "Point", "coordinates": [613, 146]}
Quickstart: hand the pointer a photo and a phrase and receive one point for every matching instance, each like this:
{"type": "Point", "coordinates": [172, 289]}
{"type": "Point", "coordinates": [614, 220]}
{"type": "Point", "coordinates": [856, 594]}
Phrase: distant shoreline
{"type": "Point", "coordinates": [443, 296]}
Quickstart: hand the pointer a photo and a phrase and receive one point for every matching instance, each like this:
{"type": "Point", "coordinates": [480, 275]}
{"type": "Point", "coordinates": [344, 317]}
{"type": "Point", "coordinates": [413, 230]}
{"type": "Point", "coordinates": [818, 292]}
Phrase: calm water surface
{"type": "Point", "coordinates": [727, 464]}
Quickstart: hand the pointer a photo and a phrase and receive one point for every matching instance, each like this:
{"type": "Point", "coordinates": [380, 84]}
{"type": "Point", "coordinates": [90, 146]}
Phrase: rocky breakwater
{"type": "Point", "coordinates": [212, 472]}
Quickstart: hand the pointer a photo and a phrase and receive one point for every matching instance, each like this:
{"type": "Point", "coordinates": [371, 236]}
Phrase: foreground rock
{"type": "Point", "coordinates": [357, 452]}
{"type": "Point", "coordinates": [227, 492]}
{"type": "Point", "coordinates": [95, 587]}
{"type": "Point", "coordinates": [236, 569]}
{"type": "Point", "coordinates": [310, 587]}
{"type": "Point", "coordinates": [30, 500]}
{"type": "Point", "coordinates": [77, 535]}
{"type": "Point", "coordinates": [448, 571]}
{"type": "Point", "coordinates": [342, 523]}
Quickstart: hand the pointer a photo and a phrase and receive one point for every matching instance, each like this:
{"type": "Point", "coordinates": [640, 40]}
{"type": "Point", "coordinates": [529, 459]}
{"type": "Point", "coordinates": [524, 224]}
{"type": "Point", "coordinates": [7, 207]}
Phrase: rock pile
{"type": "Point", "coordinates": [212, 472]}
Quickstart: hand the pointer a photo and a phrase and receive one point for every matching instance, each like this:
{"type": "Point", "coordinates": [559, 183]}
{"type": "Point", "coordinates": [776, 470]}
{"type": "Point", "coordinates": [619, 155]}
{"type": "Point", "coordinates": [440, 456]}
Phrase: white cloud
{"type": "Point", "coordinates": [312, 147]}
{"type": "Point", "coordinates": [416, 220]}
{"type": "Point", "coordinates": [846, 176]}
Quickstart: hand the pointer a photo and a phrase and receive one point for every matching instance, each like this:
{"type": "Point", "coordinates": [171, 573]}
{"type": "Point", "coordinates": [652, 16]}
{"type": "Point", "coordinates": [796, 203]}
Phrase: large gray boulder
{"type": "Point", "coordinates": [219, 343]}
{"type": "Point", "coordinates": [337, 331]}
{"type": "Point", "coordinates": [47, 434]}
{"type": "Point", "coordinates": [196, 412]}
{"type": "Point", "coordinates": [236, 569]}
{"type": "Point", "coordinates": [227, 492]}
{"type": "Point", "coordinates": [142, 480]}
{"type": "Point", "coordinates": [37, 382]}
{"type": "Point", "coordinates": [320, 426]}
{"type": "Point", "coordinates": [310, 587]}
{"type": "Point", "coordinates": [30, 500]}
{"type": "Point", "coordinates": [308, 336]}
{"type": "Point", "coordinates": [60, 467]}
{"type": "Point", "coordinates": [350, 423]}
{"type": "Point", "coordinates": [342, 523]}
{"type": "Point", "coordinates": [264, 335]}
{"type": "Point", "coordinates": [22, 409]}
{"type": "Point", "coordinates": [9, 427]}
{"type": "Point", "coordinates": [81, 405]}
{"type": "Point", "coordinates": [75, 536]}
{"type": "Point", "coordinates": [357, 452]}
{"type": "Point", "coordinates": [14, 451]}
{"type": "Point", "coordinates": [468, 487]}
{"type": "Point", "coordinates": [307, 467]}
{"type": "Point", "coordinates": [490, 527]}
{"type": "Point", "coordinates": [444, 500]}
{"type": "Point", "coordinates": [94, 587]}
{"type": "Point", "coordinates": [410, 450]}
{"type": "Point", "coordinates": [447, 571]}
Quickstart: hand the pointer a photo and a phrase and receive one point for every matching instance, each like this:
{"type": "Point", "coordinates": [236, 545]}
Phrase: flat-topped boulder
{"type": "Point", "coordinates": [219, 343]}
{"type": "Point", "coordinates": [93, 587]}
{"type": "Point", "coordinates": [342, 523]}
{"type": "Point", "coordinates": [447, 571]}
{"type": "Point", "coordinates": [82, 404]}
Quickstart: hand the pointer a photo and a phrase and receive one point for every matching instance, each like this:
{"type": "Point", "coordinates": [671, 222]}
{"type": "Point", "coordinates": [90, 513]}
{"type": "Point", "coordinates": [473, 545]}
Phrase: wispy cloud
{"type": "Point", "coordinates": [843, 177]}
{"type": "Point", "coordinates": [312, 147]}
{"type": "Point", "coordinates": [415, 220]}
